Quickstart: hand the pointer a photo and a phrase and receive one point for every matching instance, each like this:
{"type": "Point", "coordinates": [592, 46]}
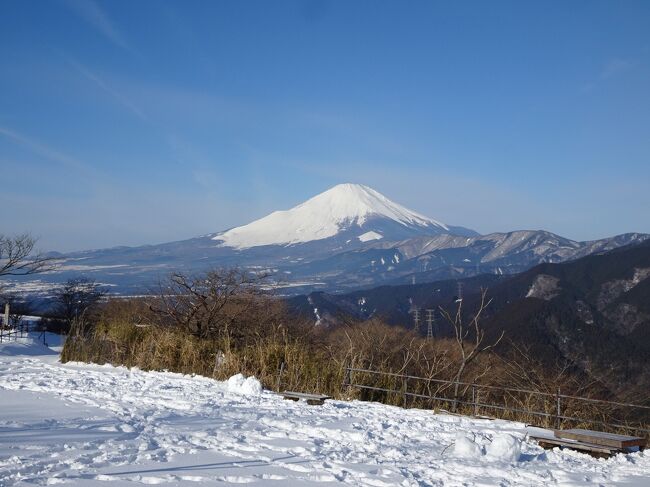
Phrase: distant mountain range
{"type": "Point", "coordinates": [348, 237]}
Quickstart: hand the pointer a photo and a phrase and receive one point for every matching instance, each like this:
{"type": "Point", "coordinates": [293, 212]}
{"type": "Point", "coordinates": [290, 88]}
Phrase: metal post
{"type": "Point", "coordinates": [5, 323]}
{"type": "Point", "coordinates": [559, 410]}
{"type": "Point", "coordinates": [280, 376]}
{"type": "Point", "coordinates": [347, 377]}
{"type": "Point", "coordinates": [475, 400]}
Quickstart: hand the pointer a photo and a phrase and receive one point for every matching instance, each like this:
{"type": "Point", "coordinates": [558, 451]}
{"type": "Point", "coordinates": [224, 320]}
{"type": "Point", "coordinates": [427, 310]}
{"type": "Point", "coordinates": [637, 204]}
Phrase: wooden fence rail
{"type": "Point", "coordinates": [12, 333]}
{"type": "Point", "coordinates": [558, 400]}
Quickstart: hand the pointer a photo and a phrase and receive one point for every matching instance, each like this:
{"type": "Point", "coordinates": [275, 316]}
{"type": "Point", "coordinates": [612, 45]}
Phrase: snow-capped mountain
{"type": "Point", "coordinates": [348, 237]}
{"type": "Point", "coordinates": [351, 210]}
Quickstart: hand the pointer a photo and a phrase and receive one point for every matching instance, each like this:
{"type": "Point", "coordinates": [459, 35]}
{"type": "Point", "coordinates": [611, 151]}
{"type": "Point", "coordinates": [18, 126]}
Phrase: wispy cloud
{"type": "Point", "coordinates": [101, 83]}
{"type": "Point", "coordinates": [615, 67]}
{"type": "Point", "coordinates": [611, 69]}
{"type": "Point", "coordinates": [94, 14]}
{"type": "Point", "coordinates": [45, 151]}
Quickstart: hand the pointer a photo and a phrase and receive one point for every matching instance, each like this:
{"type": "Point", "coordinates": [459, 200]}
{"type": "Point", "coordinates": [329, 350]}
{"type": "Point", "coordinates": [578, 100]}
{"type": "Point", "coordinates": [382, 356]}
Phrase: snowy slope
{"type": "Point", "coordinates": [325, 215]}
{"type": "Point", "coordinates": [85, 425]}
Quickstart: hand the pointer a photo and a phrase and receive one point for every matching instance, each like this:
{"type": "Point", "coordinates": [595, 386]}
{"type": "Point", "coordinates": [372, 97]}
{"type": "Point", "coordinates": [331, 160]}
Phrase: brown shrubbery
{"type": "Point", "coordinates": [255, 334]}
{"type": "Point", "coordinates": [221, 324]}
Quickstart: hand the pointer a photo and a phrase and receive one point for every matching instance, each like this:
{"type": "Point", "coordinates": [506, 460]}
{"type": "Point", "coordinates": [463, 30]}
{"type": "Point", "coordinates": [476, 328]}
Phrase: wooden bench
{"type": "Point", "coordinates": [597, 443]}
{"type": "Point", "coordinates": [592, 449]}
{"type": "Point", "coordinates": [312, 399]}
{"type": "Point", "coordinates": [621, 442]}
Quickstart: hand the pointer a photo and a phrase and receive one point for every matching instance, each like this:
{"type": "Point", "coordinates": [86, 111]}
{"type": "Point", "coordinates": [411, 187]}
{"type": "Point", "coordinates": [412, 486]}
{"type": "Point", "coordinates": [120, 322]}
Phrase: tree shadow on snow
{"type": "Point", "coordinates": [210, 466]}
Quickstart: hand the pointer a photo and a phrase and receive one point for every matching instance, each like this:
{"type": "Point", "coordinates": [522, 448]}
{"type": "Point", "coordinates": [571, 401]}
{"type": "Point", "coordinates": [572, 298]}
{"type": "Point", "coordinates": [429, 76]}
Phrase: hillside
{"type": "Point", "coordinates": [392, 304]}
{"type": "Point", "coordinates": [593, 312]}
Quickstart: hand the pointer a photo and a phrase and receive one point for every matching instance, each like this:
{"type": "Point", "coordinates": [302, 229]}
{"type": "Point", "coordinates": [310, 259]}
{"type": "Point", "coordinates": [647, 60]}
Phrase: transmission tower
{"type": "Point", "coordinates": [431, 319]}
{"type": "Point", "coordinates": [416, 319]}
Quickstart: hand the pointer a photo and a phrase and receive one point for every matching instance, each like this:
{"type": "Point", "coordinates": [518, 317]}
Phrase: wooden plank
{"type": "Point", "coordinates": [305, 395]}
{"type": "Point", "coordinates": [601, 438]}
{"type": "Point", "coordinates": [593, 449]}
{"type": "Point", "coordinates": [312, 399]}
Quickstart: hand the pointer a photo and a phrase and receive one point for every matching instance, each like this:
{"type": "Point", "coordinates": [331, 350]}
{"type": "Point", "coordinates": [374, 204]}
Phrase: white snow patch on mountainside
{"type": "Point", "coordinates": [323, 216]}
{"type": "Point", "coordinates": [368, 236]}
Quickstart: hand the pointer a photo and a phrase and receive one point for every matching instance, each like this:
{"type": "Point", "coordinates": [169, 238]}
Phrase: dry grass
{"type": "Point", "coordinates": [315, 361]}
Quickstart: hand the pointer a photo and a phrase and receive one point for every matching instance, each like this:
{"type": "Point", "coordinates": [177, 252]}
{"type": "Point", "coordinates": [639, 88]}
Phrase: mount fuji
{"type": "Point", "coordinates": [347, 237]}
{"type": "Point", "coordinates": [347, 212]}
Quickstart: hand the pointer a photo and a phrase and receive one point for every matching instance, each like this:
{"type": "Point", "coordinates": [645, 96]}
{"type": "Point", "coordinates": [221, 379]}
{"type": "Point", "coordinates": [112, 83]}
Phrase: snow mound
{"type": "Point", "coordinates": [246, 386]}
{"type": "Point", "coordinates": [505, 448]}
{"type": "Point", "coordinates": [323, 216]}
{"type": "Point", "coordinates": [466, 447]}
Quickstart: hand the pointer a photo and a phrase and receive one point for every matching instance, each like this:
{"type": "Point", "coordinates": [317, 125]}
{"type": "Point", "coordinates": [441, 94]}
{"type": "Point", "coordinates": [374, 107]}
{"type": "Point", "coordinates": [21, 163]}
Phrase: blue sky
{"type": "Point", "coordinates": [125, 123]}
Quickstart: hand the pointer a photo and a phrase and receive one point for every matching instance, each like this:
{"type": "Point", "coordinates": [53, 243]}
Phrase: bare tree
{"type": "Point", "coordinates": [207, 304]}
{"type": "Point", "coordinates": [76, 298]}
{"type": "Point", "coordinates": [470, 337]}
{"type": "Point", "coordinates": [18, 256]}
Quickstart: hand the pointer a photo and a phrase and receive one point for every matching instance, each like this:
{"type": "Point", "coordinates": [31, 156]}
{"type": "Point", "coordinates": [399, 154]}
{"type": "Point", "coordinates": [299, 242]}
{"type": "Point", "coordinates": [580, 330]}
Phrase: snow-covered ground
{"type": "Point", "coordinates": [92, 425]}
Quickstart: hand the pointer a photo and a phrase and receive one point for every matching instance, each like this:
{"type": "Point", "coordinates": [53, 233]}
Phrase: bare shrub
{"type": "Point", "coordinates": [470, 339]}
{"type": "Point", "coordinates": [207, 304]}
{"type": "Point", "coordinates": [76, 300]}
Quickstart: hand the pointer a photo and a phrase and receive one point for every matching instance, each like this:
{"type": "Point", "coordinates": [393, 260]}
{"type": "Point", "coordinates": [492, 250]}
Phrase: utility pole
{"type": "Point", "coordinates": [460, 291]}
